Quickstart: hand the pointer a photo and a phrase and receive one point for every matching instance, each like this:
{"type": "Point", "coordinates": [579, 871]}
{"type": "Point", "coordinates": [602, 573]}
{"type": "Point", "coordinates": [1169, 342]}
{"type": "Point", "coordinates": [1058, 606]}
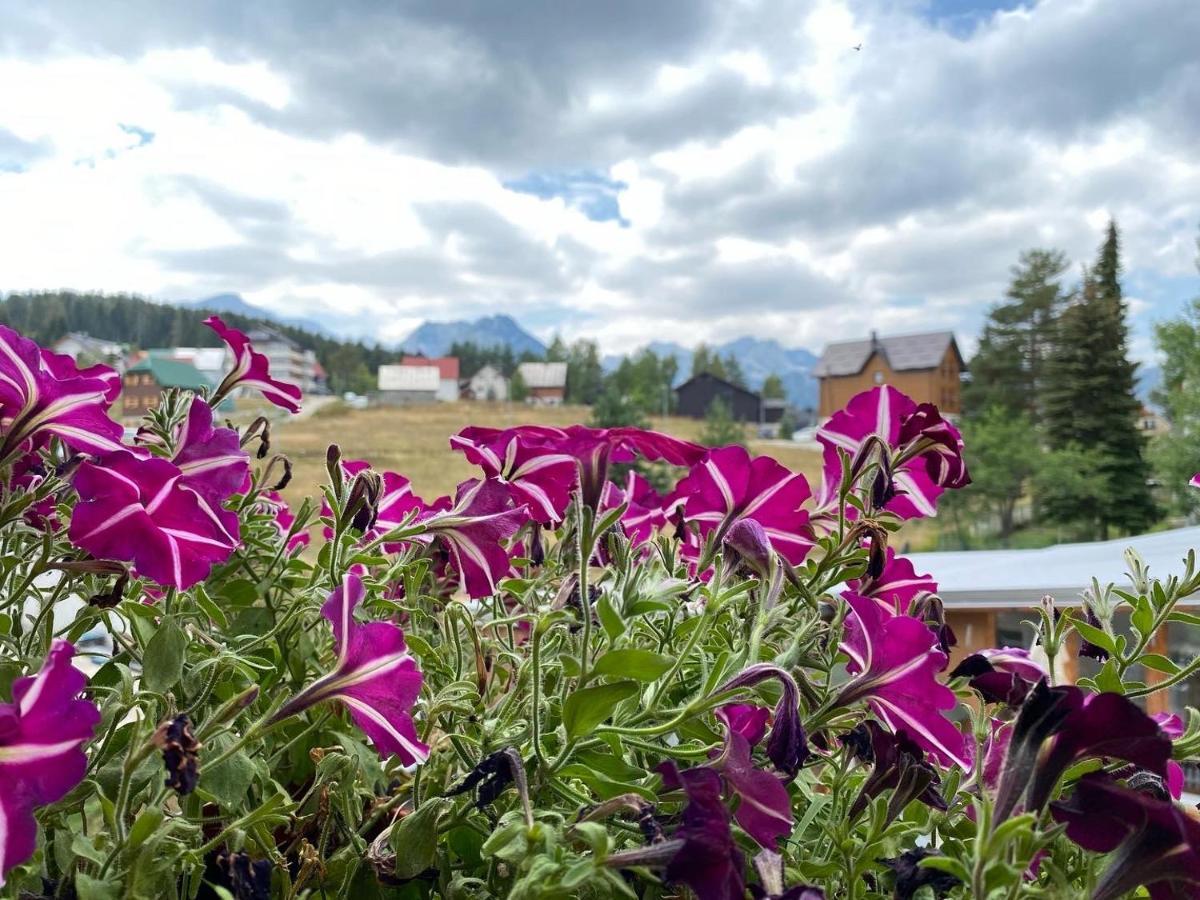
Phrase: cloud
{"type": "Point", "coordinates": [687, 168]}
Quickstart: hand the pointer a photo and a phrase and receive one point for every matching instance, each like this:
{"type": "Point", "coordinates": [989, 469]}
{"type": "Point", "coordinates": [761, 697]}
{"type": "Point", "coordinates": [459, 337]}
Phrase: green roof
{"type": "Point", "coordinates": [172, 373]}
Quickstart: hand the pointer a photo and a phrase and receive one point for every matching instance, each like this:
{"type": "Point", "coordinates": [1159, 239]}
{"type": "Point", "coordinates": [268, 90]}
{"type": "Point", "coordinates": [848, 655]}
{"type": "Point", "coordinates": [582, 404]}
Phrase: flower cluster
{"type": "Point", "coordinates": [610, 663]}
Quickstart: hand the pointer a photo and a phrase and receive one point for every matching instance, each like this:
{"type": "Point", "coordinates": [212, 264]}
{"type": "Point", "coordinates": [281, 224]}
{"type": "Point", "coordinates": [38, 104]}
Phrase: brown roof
{"type": "Point", "coordinates": [903, 352]}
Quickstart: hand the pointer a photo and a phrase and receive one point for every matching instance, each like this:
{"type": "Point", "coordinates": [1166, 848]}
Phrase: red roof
{"type": "Point", "coordinates": [447, 366]}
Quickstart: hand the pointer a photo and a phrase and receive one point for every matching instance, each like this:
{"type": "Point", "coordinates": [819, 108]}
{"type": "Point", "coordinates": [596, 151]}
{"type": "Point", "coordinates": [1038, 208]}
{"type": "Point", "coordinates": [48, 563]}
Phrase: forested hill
{"type": "Point", "coordinates": [47, 316]}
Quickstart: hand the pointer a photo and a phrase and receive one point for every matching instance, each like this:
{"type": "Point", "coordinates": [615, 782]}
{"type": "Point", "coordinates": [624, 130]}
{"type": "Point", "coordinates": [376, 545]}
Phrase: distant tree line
{"type": "Point", "coordinates": [47, 316]}
{"type": "Point", "coordinates": [1051, 411]}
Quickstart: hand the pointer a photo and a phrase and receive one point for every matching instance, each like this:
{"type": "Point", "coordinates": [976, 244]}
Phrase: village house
{"type": "Point", "coordinates": [488, 384]}
{"type": "Point", "coordinates": [87, 350]}
{"type": "Point", "coordinates": [212, 362]}
{"type": "Point", "coordinates": [447, 367]}
{"type": "Point", "coordinates": [289, 361]}
{"type": "Point", "coordinates": [695, 397]}
{"type": "Point", "coordinates": [926, 367]}
{"type": "Point", "coordinates": [144, 381]}
{"type": "Point", "coordinates": [546, 382]}
{"type": "Point", "coordinates": [401, 385]}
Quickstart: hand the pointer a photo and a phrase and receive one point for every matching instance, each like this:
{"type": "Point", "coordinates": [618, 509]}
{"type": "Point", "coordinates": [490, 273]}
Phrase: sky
{"type": "Point", "coordinates": [684, 169]}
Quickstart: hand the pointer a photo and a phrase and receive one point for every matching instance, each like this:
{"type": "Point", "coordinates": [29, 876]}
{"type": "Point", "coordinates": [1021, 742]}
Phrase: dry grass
{"type": "Point", "coordinates": [414, 441]}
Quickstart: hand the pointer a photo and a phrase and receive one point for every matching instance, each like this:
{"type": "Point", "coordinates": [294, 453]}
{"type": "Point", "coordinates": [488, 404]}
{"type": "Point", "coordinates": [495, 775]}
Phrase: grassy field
{"type": "Point", "coordinates": [413, 441]}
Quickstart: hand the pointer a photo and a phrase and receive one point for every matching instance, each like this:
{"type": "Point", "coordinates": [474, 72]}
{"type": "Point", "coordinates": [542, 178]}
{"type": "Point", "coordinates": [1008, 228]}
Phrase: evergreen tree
{"type": "Point", "coordinates": [1090, 405]}
{"type": "Point", "coordinates": [1009, 368]}
{"type": "Point", "coordinates": [518, 391]}
{"type": "Point", "coordinates": [706, 360]}
{"type": "Point", "coordinates": [720, 428]}
{"type": "Point", "coordinates": [772, 388]}
{"type": "Point", "coordinates": [733, 371]}
{"type": "Point", "coordinates": [585, 373]}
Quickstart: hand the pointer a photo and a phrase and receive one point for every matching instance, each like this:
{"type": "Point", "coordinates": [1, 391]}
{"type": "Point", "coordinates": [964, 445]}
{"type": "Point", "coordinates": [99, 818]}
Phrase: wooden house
{"type": "Point", "coordinates": [545, 382]}
{"type": "Point", "coordinates": [694, 397]}
{"type": "Point", "coordinates": [926, 367]}
{"type": "Point", "coordinates": [144, 381]}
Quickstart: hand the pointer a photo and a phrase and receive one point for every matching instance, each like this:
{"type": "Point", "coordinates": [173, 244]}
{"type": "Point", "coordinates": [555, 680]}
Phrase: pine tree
{"type": "Point", "coordinates": [1009, 369]}
{"type": "Point", "coordinates": [1089, 401]}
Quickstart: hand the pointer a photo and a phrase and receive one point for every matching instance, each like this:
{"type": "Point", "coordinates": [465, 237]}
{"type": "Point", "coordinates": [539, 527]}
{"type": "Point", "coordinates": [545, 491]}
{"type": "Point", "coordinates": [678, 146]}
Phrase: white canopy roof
{"type": "Point", "coordinates": [1020, 578]}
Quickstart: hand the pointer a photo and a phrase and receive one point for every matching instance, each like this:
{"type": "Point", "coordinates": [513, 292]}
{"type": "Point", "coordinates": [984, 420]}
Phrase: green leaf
{"type": "Point", "coordinates": [644, 665]}
{"type": "Point", "coordinates": [587, 708]}
{"type": "Point", "coordinates": [1097, 636]}
{"type": "Point", "coordinates": [214, 612]}
{"type": "Point", "coordinates": [229, 781]}
{"type": "Point", "coordinates": [241, 592]}
{"type": "Point", "coordinates": [162, 664]}
{"type": "Point", "coordinates": [1181, 616]}
{"type": "Point", "coordinates": [414, 838]}
{"type": "Point", "coordinates": [946, 864]}
{"type": "Point", "coordinates": [144, 826]}
{"type": "Point", "coordinates": [89, 888]}
{"type": "Point", "coordinates": [610, 619]}
{"type": "Point", "coordinates": [1142, 617]}
{"type": "Point", "coordinates": [1159, 663]}
{"type": "Point", "coordinates": [1107, 679]}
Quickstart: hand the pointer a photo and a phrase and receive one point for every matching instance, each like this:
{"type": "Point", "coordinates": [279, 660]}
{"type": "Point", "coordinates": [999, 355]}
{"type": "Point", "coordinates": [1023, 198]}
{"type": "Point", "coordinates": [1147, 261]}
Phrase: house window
{"type": "Point", "coordinates": [879, 377]}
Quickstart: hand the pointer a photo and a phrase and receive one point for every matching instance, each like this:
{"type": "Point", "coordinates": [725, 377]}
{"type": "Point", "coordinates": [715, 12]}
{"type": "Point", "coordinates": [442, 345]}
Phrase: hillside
{"type": "Point", "coordinates": [236, 304]}
{"type": "Point", "coordinates": [47, 316]}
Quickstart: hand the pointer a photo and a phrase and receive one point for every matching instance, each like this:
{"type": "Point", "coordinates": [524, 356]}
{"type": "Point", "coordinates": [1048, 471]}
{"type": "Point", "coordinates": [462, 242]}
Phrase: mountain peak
{"type": "Point", "coordinates": [499, 329]}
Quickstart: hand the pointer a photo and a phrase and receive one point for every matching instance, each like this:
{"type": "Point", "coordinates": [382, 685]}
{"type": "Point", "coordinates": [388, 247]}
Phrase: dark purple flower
{"type": "Point", "coordinates": [911, 876]}
{"type": "Point", "coordinates": [135, 509]}
{"type": "Point", "coordinates": [1002, 675]}
{"type": "Point", "coordinates": [251, 369]}
{"type": "Point", "coordinates": [1061, 725]}
{"type": "Point", "coordinates": [42, 397]}
{"type": "Point", "coordinates": [747, 719]}
{"type": "Point", "coordinates": [764, 808]}
{"type": "Point", "coordinates": [899, 766]}
{"type": "Point", "coordinates": [728, 487]}
{"type": "Point", "coordinates": [894, 661]}
{"type": "Point", "coordinates": [375, 677]}
{"type": "Point", "coordinates": [706, 859]}
{"type": "Point", "coordinates": [787, 746]}
{"type": "Point", "coordinates": [924, 434]}
{"type": "Point", "coordinates": [1152, 842]}
{"type": "Point", "coordinates": [41, 760]}
{"type": "Point", "coordinates": [181, 754]}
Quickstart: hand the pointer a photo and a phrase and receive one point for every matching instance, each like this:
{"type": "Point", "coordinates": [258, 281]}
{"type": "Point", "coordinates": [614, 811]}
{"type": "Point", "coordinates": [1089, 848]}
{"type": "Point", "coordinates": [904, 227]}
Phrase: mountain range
{"type": "Point", "coordinates": [436, 338]}
{"type": "Point", "coordinates": [238, 305]}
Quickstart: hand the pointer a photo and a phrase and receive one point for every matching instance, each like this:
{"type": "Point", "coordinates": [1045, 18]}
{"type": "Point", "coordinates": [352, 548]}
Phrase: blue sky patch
{"type": "Point", "coordinates": [590, 191]}
{"type": "Point", "coordinates": [144, 137]}
{"type": "Point", "coordinates": [962, 17]}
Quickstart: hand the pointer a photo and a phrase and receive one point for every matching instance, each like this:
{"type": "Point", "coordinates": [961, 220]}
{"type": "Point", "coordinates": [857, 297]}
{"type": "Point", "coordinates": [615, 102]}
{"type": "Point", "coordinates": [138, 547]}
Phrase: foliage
{"type": "Point", "coordinates": [518, 391]}
{"type": "Point", "coordinates": [614, 409]}
{"type": "Point", "coordinates": [1005, 453]}
{"type": "Point", "coordinates": [1173, 454]}
{"type": "Point", "coordinates": [705, 359]}
{"type": "Point", "coordinates": [720, 428]}
{"type": "Point", "coordinates": [547, 685]}
{"type": "Point", "coordinates": [772, 388]}
{"type": "Point", "coordinates": [646, 380]}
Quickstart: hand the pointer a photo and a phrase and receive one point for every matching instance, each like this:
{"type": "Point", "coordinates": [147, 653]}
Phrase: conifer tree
{"type": "Point", "coordinates": [1089, 404]}
{"type": "Point", "coordinates": [1009, 368]}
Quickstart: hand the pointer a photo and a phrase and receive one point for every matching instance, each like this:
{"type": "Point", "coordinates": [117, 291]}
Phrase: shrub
{"type": "Point", "coordinates": [547, 685]}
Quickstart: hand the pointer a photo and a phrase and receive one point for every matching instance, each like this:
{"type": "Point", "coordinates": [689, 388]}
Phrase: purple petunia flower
{"type": "Point", "coordinates": [535, 474]}
{"type": "Point", "coordinates": [593, 449]}
{"type": "Point", "coordinates": [764, 808]}
{"type": "Point", "coordinates": [212, 460]}
{"type": "Point", "coordinates": [1059, 726]}
{"type": "Point", "coordinates": [899, 766]}
{"type": "Point", "coordinates": [1152, 842]}
{"type": "Point", "coordinates": [644, 513]}
{"type": "Point", "coordinates": [42, 397]}
{"type": "Point", "coordinates": [1001, 675]}
{"type": "Point", "coordinates": [375, 677]}
{"type": "Point", "coordinates": [41, 760]}
{"type": "Point", "coordinates": [787, 746]}
{"type": "Point", "coordinates": [137, 510]}
{"type": "Point", "coordinates": [706, 859]}
{"type": "Point", "coordinates": [894, 660]}
{"type": "Point", "coordinates": [62, 366]}
{"type": "Point", "coordinates": [897, 585]}
{"type": "Point", "coordinates": [920, 453]}
{"type": "Point", "coordinates": [251, 369]}
{"type": "Point", "coordinates": [728, 487]}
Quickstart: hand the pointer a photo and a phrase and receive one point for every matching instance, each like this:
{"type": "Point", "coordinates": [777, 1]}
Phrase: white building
{"type": "Point", "coordinates": [402, 385]}
{"type": "Point", "coordinates": [288, 361]}
{"type": "Point", "coordinates": [487, 384]}
{"type": "Point", "coordinates": [87, 350]}
{"type": "Point", "coordinates": [447, 367]}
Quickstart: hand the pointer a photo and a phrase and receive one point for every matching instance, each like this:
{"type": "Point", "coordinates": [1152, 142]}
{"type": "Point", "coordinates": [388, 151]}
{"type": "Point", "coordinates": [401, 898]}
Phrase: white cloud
{"type": "Point", "coordinates": [774, 180]}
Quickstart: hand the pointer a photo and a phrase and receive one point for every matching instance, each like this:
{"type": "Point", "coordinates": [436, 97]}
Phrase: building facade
{"type": "Point", "coordinates": [408, 385]}
{"type": "Point", "coordinates": [447, 367]}
{"type": "Point", "coordinates": [695, 396]}
{"type": "Point", "coordinates": [926, 367]}
{"type": "Point", "coordinates": [488, 384]}
{"type": "Point", "coordinates": [144, 381]}
{"type": "Point", "coordinates": [545, 382]}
